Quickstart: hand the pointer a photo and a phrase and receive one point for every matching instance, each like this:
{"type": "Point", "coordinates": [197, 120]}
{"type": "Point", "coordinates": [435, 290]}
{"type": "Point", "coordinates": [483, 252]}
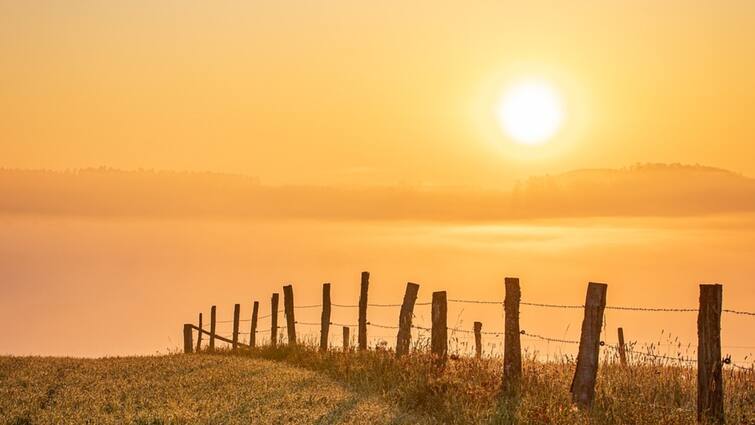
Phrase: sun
{"type": "Point", "coordinates": [531, 112]}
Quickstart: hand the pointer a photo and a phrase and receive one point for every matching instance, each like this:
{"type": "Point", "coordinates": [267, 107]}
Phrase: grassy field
{"type": "Point", "coordinates": [179, 389]}
{"type": "Point", "coordinates": [468, 390]}
{"type": "Point", "coordinates": [301, 385]}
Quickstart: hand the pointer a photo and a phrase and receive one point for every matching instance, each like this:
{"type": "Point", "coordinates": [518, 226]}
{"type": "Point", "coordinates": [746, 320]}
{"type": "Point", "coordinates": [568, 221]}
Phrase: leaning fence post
{"type": "Point", "coordinates": [213, 321]}
{"type": "Point", "coordinates": [365, 284]}
{"type": "Point", "coordinates": [325, 317]}
{"type": "Point", "coordinates": [253, 332]}
{"type": "Point", "coordinates": [439, 334]}
{"type": "Point", "coordinates": [710, 394]}
{"type": "Point", "coordinates": [512, 345]}
{"type": "Point", "coordinates": [404, 336]}
{"type": "Point", "coordinates": [199, 334]}
{"type": "Point", "coordinates": [288, 305]}
{"type": "Point", "coordinates": [583, 383]}
{"type": "Point", "coordinates": [236, 314]}
{"type": "Point", "coordinates": [188, 344]}
{"type": "Point", "coordinates": [274, 320]}
{"type": "Point", "coordinates": [622, 348]}
{"type": "Point", "coordinates": [478, 339]}
{"type": "Point", "coordinates": [345, 339]}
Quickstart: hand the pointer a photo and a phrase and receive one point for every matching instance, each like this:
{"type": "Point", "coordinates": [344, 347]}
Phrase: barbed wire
{"type": "Point", "coordinates": [629, 350]}
{"type": "Point", "coordinates": [663, 309]}
{"type": "Point", "coordinates": [270, 315]}
{"type": "Point", "coordinates": [531, 304]}
{"type": "Point", "coordinates": [549, 339]}
{"type": "Point", "coordinates": [632, 351]}
{"type": "Point", "coordinates": [747, 313]}
{"type": "Point", "coordinates": [608, 307]}
{"type": "Point", "coordinates": [307, 306]}
{"type": "Point", "coordinates": [568, 306]}
{"type": "Point", "coordinates": [474, 302]}
{"type": "Point", "coordinates": [381, 326]}
{"type": "Point", "coordinates": [373, 305]}
{"type": "Point", "coordinates": [344, 324]}
{"type": "Point", "coordinates": [749, 369]}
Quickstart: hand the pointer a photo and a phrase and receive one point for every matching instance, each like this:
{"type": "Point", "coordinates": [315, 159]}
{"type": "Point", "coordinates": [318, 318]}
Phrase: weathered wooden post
{"type": "Point", "coordinates": [512, 345]}
{"type": "Point", "coordinates": [288, 305]}
{"type": "Point", "coordinates": [622, 348]}
{"type": "Point", "coordinates": [274, 320]}
{"type": "Point", "coordinates": [710, 384]}
{"type": "Point", "coordinates": [345, 339]}
{"type": "Point", "coordinates": [478, 339]}
{"type": "Point", "coordinates": [236, 316]}
{"type": "Point", "coordinates": [325, 317]}
{"type": "Point", "coordinates": [583, 383]}
{"type": "Point", "coordinates": [213, 322]}
{"type": "Point", "coordinates": [199, 334]}
{"type": "Point", "coordinates": [439, 333]}
{"type": "Point", "coordinates": [253, 332]}
{"type": "Point", "coordinates": [188, 344]}
{"type": "Point", "coordinates": [404, 337]}
{"type": "Point", "coordinates": [365, 284]}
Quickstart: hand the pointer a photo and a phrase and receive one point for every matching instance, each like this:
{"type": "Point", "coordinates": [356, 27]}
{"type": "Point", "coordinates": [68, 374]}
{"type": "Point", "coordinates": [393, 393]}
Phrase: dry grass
{"type": "Point", "coordinates": [469, 390]}
{"type": "Point", "coordinates": [178, 389]}
{"type": "Point", "coordinates": [334, 387]}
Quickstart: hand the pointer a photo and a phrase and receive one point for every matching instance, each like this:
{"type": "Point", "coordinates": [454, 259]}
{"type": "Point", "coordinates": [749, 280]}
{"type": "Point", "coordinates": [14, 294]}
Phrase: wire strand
{"type": "Point", "coordinates": [747, 313]}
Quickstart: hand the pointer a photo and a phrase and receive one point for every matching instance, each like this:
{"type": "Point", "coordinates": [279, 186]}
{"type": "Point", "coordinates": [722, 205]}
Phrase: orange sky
{"type": "Point", "coordinates": [389, 92]}
{"type": "Point", "coordinates": [368, 130]}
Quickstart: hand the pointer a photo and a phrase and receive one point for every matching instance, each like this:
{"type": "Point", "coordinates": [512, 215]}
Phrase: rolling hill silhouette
{"type": "Point", "coordinates": [640, 190]}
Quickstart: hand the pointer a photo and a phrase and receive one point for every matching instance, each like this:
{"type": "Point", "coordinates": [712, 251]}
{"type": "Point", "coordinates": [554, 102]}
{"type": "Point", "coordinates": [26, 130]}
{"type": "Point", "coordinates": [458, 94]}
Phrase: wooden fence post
{"type": "Point", "coordinates": [213, 322]}
{"type": "Point", "coordinates": [512, 345]}
{"type": "Point", "coordinates": [345, 339]}
{"type": "Point", "coordinates": [253, 332]}
{"type": "Point", "coordinates": [188, 344]}
{"type": "Point", "coordinates": [274, 320]}
{"type": "Point", "coordinates": [325, 317]}
{"type": "Point", "coordinates": [622, 348]}
{"type": "Point", "coordinates": [439, 335]}
{"type": "Point", "coordinates": [478, 339]}
{"type": "Point", "coordinates": [236, 316]}
{"type": "Point", "coordinates": [710, 392]}
{"type": "Point", "coordinates": [403, 339]}
{"type": "Point", "coordinates": [288, 305]}
{"type": "Point", "coordinates": [199, 335]}
{"type": "Point", "coordinates": [365, 284]}
{"type": "Point", "coordinates": [583, 383]}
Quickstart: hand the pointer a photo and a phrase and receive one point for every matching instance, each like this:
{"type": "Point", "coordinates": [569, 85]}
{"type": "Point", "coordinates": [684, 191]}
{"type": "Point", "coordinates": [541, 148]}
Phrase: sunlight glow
{"type": "Point", "coordinates": [531, 112]}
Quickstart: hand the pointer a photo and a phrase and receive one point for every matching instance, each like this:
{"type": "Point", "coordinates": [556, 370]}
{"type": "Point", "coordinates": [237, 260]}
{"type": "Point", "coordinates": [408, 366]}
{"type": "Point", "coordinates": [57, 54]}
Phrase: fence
{"type": "Point", "coordinates": [709, 361]}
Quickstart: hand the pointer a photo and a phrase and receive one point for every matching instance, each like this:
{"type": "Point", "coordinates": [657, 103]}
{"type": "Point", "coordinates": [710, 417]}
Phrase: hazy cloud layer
{"type": "Point", "coordinates": [644, 190]}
